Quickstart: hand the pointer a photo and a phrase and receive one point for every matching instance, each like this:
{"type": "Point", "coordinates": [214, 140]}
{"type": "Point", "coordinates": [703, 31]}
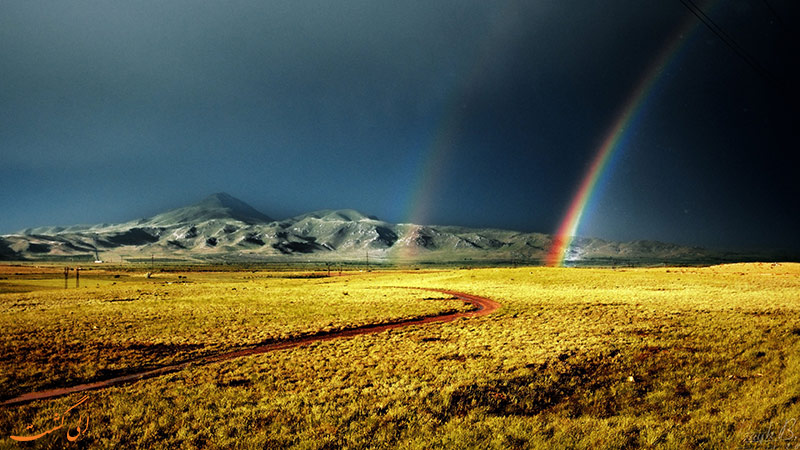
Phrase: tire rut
{"type": "Point", "coordinates": [483, 306]}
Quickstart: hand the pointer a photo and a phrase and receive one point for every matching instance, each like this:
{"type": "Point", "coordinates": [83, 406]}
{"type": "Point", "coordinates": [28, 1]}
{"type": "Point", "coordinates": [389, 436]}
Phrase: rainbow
{"type": "Point", "coordinates": [442, 143]}
{"type": "Point", "coordinates": [621, 127]}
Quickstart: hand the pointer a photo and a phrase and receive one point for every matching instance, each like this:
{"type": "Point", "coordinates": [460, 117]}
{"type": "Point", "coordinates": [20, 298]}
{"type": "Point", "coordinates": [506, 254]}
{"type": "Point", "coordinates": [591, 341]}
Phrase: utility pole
{"type": "Point", "coordinates": [77, 277]}
{"type": "Point", "coordinates": [367, 252]}
{"type": "Point", "coordinates": [66, 277]}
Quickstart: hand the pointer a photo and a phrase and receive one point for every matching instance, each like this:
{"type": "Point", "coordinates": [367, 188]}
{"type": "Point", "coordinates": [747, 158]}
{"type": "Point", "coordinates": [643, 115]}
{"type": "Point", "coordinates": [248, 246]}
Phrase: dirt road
{"type": "Point", "coordinates": [483, 306]}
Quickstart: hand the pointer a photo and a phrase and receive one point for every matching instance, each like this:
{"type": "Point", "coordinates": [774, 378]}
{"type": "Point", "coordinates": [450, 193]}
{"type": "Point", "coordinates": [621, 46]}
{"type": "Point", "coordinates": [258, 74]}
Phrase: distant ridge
{"type": "Point", "coordinates": [223, 228]}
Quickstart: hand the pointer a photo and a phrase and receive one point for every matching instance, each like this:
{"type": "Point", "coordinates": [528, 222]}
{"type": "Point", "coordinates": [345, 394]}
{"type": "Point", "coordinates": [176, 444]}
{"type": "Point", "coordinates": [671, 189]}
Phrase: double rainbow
{"type": "Point", "coordinates": [442, 144]}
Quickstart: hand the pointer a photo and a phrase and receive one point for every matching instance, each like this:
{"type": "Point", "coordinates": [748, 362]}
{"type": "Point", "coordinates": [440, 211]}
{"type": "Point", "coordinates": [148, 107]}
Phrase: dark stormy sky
{"type": "Point", "coordinates": [114, 110]}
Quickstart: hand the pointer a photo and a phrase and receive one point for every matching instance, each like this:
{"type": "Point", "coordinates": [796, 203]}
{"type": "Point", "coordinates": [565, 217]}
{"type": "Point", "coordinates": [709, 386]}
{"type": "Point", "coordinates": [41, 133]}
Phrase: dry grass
{"type": "Point", "coordinates": [576, 358]}
{"type": "Point", "coordinates": [54, 336]}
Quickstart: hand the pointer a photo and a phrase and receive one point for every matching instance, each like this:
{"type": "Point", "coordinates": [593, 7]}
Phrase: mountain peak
{"type": "Point", "coordinates": [224, 200]}
{"type": "Point", "coordinates": [216, 206]}
{"type": "Point", "coordinates": [336, 215]}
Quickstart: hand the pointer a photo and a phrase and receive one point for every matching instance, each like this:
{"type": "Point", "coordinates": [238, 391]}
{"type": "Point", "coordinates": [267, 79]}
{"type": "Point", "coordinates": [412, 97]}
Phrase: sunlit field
{"type": "Point", "coordinates": [575, 358]}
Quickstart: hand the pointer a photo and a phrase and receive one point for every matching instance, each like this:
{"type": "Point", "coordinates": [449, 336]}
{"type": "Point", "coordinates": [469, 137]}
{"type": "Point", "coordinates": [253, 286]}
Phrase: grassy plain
{"type": "Point", "coordinates": [575, 358]}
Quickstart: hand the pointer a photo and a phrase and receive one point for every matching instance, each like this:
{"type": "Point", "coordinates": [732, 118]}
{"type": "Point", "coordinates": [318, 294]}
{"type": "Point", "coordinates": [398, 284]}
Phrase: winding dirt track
{"type": "Point", "coordinates": [483, 306]}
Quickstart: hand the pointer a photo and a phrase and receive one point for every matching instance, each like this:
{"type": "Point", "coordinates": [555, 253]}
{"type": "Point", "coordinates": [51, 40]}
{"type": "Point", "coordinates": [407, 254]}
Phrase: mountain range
{"type": "Point", "coordinates": [223, 228]}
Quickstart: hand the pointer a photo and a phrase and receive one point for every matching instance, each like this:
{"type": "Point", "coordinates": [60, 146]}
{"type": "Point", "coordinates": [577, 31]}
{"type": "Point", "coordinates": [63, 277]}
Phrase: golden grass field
{"type": "Point", "coordinates": [575, 358]}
